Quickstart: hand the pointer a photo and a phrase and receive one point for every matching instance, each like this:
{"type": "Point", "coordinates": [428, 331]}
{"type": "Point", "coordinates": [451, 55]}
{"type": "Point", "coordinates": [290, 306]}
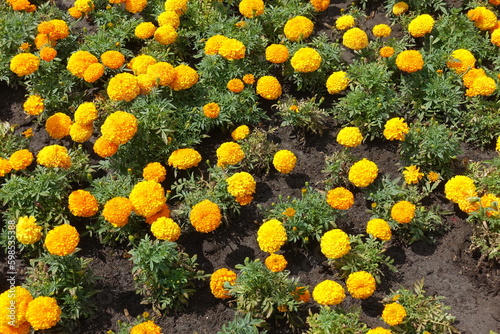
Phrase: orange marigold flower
{"type": "Point", "coordinates": [421, 25]}
{"type": "Point", "coordinates": [28, 133]}
{"type": "Point", "coordinates": [469, 203]}
{"type": "Point", "coordinates": [184, 158]}
{"type": "Point", "coordinates": [458, 187]}
{"type": "Point", "coordinates": [117, 210]}
{"type": "Point", "coordinates": [337, 82]}
{"type": "Point", "coordinates": [178, 6]}
{"type": "Point", "coordinates": [393, 314]}
{"type": "Point", "coordinates": [20, 298]}
{"type": "Point", "coordinates": [271, 236]}
{"type": "Point", "coordinates": [277, 53]}
{"type": "Point", "coordinates": [154, 171]}
{"type": "Point", "coordinates": [328, 292]}
{"type": "Point", "coordinates": [361, 284]}
{"type": "Point", "coordinates": [461, 61]}
{"type": "Point", "coordinates": [483, 18]}
{"type": "Point", "coordinates": [147, 327]}
{"type": "Point", "coordinates": [268, 87]}
{"type": "Point", "coordinates": [235, 85]}
{"type": "Point", "coordinates": [211, 110]}
{"type": "Point", "coordinates": [5, 167]}
{"type": "Point", "coordinates": [355, 39]}
{"type": "Point", "coordinates": [488, 202]}
{"type": "Point", "coordinates": [403, 212]}
{"type": "Point", "coordinates": [164, 212]}
{"type": "Point", "coordinates": [58, 125]}
{"type": "Point", "coordinates": [119, 127]}
{"type": "Point", "coordinates": [212, 45]}
{"type": "Point", "coordinates": [185, 78]}
{"type": "Point", "coordinates": [249, 79]}
{"type": "Point", "coordinates": [276, 262]}
{"type": "Point", "coordinates": [306, 60]}
{"type": "Point", "coordinates": [54, 156]}
{"type": "Point", "coordinates": [24, 64]}
{"type": "Point", "coordinates": [86, 113]}
{"type": "Point", "coordinates": [205, 216]}
{"type": "Point", "coordinates": [79, 61]}
{"type": "Point", "coordinates": [123, 87]}
{"type": "Point", "coordinates": [113, 59]}
{"type": "Point", "coordinates": [34, 105]}
{"type": "Point", "coordinates": [61, 240]}
{"type": "Point", "coordinates": [495, 37]}
{"type": "Point", "coordinates": [42, 40]}
{"type": "Point", "coordinates": [80, 133]}
{"type": "Point", "coordinates": [298, 28]}
{"type": "Point", "coordinates": [241, 184]}
{"type": "Point", "coordinates": [284, 161]}
{"type": "Point", "coordinates": [169, 17]}
{"type": "Point", "coordinates": [146, 82]}
{"type": "Point", "coordinates": [135, 6]}
{"type": "Point", "coordinates": [395, 129]}
{"type": "Point", "coordinates": [363, 173]}
{"type": "Point", "coordinates": [84, 6]}
{"type": "Point", "coordinates": [302, 294]}
{"type": "Point", "coordinates": [320, 5]}
{"type": "Point", "coordinates": [43, 313]}
{"type": "Point", "coordinates": [232, 49]}
{"type": "Point", "coordinates": [340, 198]}
{"type": "Point", "coordinates": [399, 8]}
{"type": "Point", "coordinates": [471, 75]}
{"type": "Point", "coordinates": [412, 174]}
{"type": "Point", "coordinates": [47, 53]}
{"type": "Point", "coordinates": [165, 34]}
{"type": "Point", "coordinates": [163, 71]}
{"type": "Point", "coordinates": [386, 52]}
{"type": "Point", "coordinates": [289, 212]}
{"type": "Point", "coordinates": [345, 22]}
{"type": "Point", "coordinates": [229, 153]}
{"type": "Point", "coordinates": [217, 281]}
{"type": "Point", "coordinates": [379, 228]}
{"type": "Point", "coordinates": [433, 176]}
{"type": "Point", "coordinates": [483, 86]}
{"type": "Point", "coordinates": [82, 203]}
{"type": "Point", "coordinates": [240, 133]}
{"type": "Point", "coordinates": [27, 230]}
{"type": "Point", "coordinates": [251, 8]}
{"type": "Point", "coordinates": [104, 148]}
{"type": "Point", "coordinates": [349, 136]}
{"type": "Point", "coordinates": [381, 30]}
{"type": "Point", "coordinates": [140, 63]}
{"type": "Point", "coordinates": [410, 61]}
{"type": "Point", "coordinates": [94, 72]}
{"type": "Point", "coordinates": [144, 30]}
{"type": "Point", "coordinates": [21, 159]}
{"type": "Point", "coordinates": [335, 244]}
{"type": "Point", "coordinates": [147, 198]}
{"type": "Point", "coordinates": [74, 12]}
{"type": "Point", "coordinates": [60, 30]}
{"type": "Point", "coordinates": [166, 229]}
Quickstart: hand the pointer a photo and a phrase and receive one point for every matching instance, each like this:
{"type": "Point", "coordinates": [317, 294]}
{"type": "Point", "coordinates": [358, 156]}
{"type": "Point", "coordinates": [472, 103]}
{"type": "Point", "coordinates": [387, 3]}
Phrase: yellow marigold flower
{"type": "Point", "coordinates": [113, 59]}
{"type": "Point", "coordinates": [386, 52]}
{"type": "Point", "coordinates": [154, 171]}
{"type": "Point", "coordinates": [235, 85]}
{"type": "Point", "coordinates": [21, 159]}
{"type": "Point", "coordinates": [284, 161]}
{"type": "Point", "coordinates": [205, 216]}
{"type": "Point", "coordinates": [135, 6]}
{"type": "Point", "coordinates": [337, 82]}
{"type": "Point", "coordinates": [349, 136]}
{"type": "Point", "coordinates": [433, 176]}
{"type": "Point", "coordinates": [412, 174]}
{"type": "Point", "coordinates": [117, 210]}
{"type": "Point", "coordinates": [27, 230]}
{"type": "Point", "coordinates": [276, 262]}
{"type": "Point", "coordinates": [165, 35]}
{"type": "Point", "coordinates": [218, 280]}
{"type": "Point", "coordinates": [24, 64]}
{"type": "Point", "coordinates": [410, 61]}
{"type": "Point", "coordinates": [144, 30]}
{"type": "Point", "coordinates": [104, 148]}
{"type": "Point", "coordinates": [469, 204]}
{"type": "Point", "coordinates": [212, 45]}
{"type": "Point", "coordinates": [363, 173]}
{"type": "Point", "coordinates": [79, 61]}
{"type": "Point", "coordinates": [483, 18]}
{"type": "Point", "coordinates": [289, 212]}
{"type": "Point", "coordinates": [148, 327]}
{"type": "Point", "coordinates": [185, 78]}
{"type": "Point", "coordinates": [495, 37]}
{"type": "Point", "coordinates": [178, 6]}
{"type": "Point", "coordinates": [147, 82]}
{"type": "Point", "coordinates": [232, 49]}
{"type": "Point", "coordinates": [399, 8]}
{"type": "Point", "coordinates": [86, 113]}
{"type": "Point", "coordinates": [164, 212]}
{"type": "Point", "coordinates": [34, 105]}
{"type": "Point", "coordinates": [335, 244]}
{"type": "Point", "coordinates": [58, 125]}
{"type": "Point", "coordinates": [458, 187]}
{"type": "Point", "coordinates": [19, 5]}
{"type": "Point", "coordinates": [379, 228]}
{"type": "Point", "coordinates": [340, 198]}
{"type": "Point", "coordinates": [94, 72]}
{"type": "Point", "coordinates": [140, 63]}
{"type": "Point", "coordinates": [20, 299]}
{"type": "Point", "coordinates": [229, 153]}
{"type": "Point", "coordinates": [251, 8]}
{"type": "Point", "coordinates": [403, 212]}
{"type": "Point", "coordinates": [119, 127]}
{"type": "Point", "coordinates": [211, 110]}
{"type": "Point", "coordinates": [483, 86]}
{"type": "Point", "coordinates": [240, 133]}
{"type": "Point", "coordinates": [379, 330]}
{"type": "Point", "coordinates": [74, 12]}
{"type": "Point", "coordinates": [328, 292]}
{"type": "Point", "coordinates": [298, 28]}
{"type": "Point", "coordinates": [82, 203]}
{"type": "Point", "coordinates": [306, 60]}
{"type": "Point", "coordinates": [47, 53]}
{"type": "Point", "coordinates": [268, 87]}
{"type": "Point", "coordinates": [23, 328]}
{"type": "Point", "coordinates": [277, 53]}
{"type": "Point", "coordinates": [320, 5]}
{"type": "Point", "coordinates": [461, 61]}
{"type": "Point", "coordinates": [166, 229]}
{"type": "Point", "coordinates": [5, 167]}
{"type": "Point", "coordinates": [169, 17]}
{"type": "Point", "coordinates": [42, 40]}
{"type": "Point", "coordinates": [471, 75]}
{"type": "Point", "coordinates": [147, 198]}
{"type": "Point", "coordinates": [395, 129]}
{"type": "Point", "coordinates": [249, 79]}
{"type": "Point", "coordinates": [60, 31]}
{"type": "Point", "coordinates": [123, 87]}
{"type": "Point", "coordinates": [345, 22]}
{"type": "Point", "coordinates": [355, 39]}
{"type": "Point", "coordinates": [271, 236]}
{"type": "Point", "coordinates": [61, 240]}
{"type": "Point", "coordinates": [381, 30]}
{"type": "Point", "coordinates": [393, 314]}
{"type": "Point", "coordinates": [84, 6]}
{"type": "Point", "coordinates": [241, 184]}
{"type": "Point", "coordinates": [184, 158]}
{"type": "Point", "coordinates": [54, 156]}
{"type": "Point", "coordinates": [163, 71]}
{"type": "Point", "coordinates": [421, 25]}
{"type": "Point", "coordinates": [488, 202]}
{"type": "Point", "coordinates": [361, 284]}
{"type": "Point", "coordinates": [45, 27]}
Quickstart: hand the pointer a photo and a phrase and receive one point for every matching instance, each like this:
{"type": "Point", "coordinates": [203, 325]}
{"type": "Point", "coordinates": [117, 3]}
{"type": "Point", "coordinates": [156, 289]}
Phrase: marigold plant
{"type": "Point", "coordinates": [284, 161]}
{"type": "Point", "coordinates": [328, 292]}
{"type": "Point", "coordinates": [217, 281]}
{"type": "Point", "coordinates": [363, 173]}
{"type": "Point", "coordinates": [340, 198]}
{"type": "Point", "coordinates": [335, 244]}
{"type": "Point", "coordinates": [403, 212]}
{"type": "Point", "coordinates": [205, 216]}
{"type": "Point", "coordinates": [361, 284]}
{"type": "Point", "coordinates": [82, 203]}
{"type": "Point", "coordinates": [62, 240]}
{"type": "Point", "coordinates": [271, 236]}
{"type": "Point", "coordinates": [184, 158]}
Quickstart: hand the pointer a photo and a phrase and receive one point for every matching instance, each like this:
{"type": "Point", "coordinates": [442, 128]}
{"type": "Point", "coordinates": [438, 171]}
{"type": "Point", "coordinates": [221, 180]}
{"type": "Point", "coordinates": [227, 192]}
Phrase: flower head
{"type": "Point", "coordinates": [284, 161]}
{"type": "Point", "coordinates": [319, 5]}
{"type": "Point", "coordinates": [379, 228]}
{"type": "Point", "coordinates": [86, 113]}
{"type": "Point", "coordinates": [340, 198]}
{"type": "Point", "coordinates": [205, 216]}
{"type": "Point", "coordinates": [94, 72]}
{"type": "Point", "coordinates": [240, 133]}
{"type": "Point", "coordinates": [268, 87]}
{"type": "Point", "coordinates": [379, 330]}
{"type": "Point", "coordinates": [119, 127]}
{"type": "Point", "coordinates": [229, 153]}
{"type": "Point", "coordinates": [381, 30]}
{"type": "Point", "coordinates": [80, 133]}
{"type": "Point", "coordinates": [412, 174]}
{"type": "Point", "coordinates": [459, 187]}
{"type": "Point", "coordinates": [395, 129]}
{"type": "Point", "coordinates": [335, 244]}
{"type": "Point", "coordinates": [483, 18]}
{"type": "Point", "coordinates": [154, 171]}
{"type": "Point", "coordinates": [249, 79]}
{"type": "Point", "coordinates": [355, 39]}
{"type": "Point", "coordinates": [461, 60]}
{"type": "Point", "coordinates": [399, 8]}
{"type": "Point", "coordinates": [123, 87]}
{"type": "Point", "coordinates": [140, 63]}
{"type": "Point", "coordinates": [147, 327]}
{"type": "Point", "coordinates": [471, 75]}
{"type": "Point", "coordinates": [235, 85]}
{"type": "Point", "coordinates": [213, 44]}
{"type": "Point", "coordinates": [393, 314]}
{"type": "Point", "coordinates": [232, 49]}
{"type": "Point", "coordinates": [21, 159]}
{"type": "Point", "coordinates": [483, 85]}
{"type": "Point", "coordinates": [43, 313]}
{"type": "Point", "coordinates": [433, 176]}
{"type": "Point", "coordinates": [166, 229]}
{"type": "Point", "coordinates": [217, 281]}
{"type": "Point", "coordinates": [33, 105]}
{"type": "Point", "coordinates": [82, 203]}
{"type": "Point", "coordinates": [184, 158]}
{"type": "Point", "coordinates": [488, 202]}
{"type": "Point", "coordinates": [117, 210]}
{"type": "Point", "coordinates": [145, 30]}
{"type": "Point", "coordinates": [403, 212]}
{"type": "Point", "coordinates": [185, 78]}
{"type": "Point", "coordinates": [306, 60]}
{"type": "Point", "coordinates": [27, 230]}
{"type": "Point", "coordinates": [345, 22]}
{"type": "Point", "coordinates": [386, 52]}
{"type": "Point", "coordinates": [135, 6]}
{"type": "Point", "coordinates": [5, 167]}
{"type": "Point", "coordinates": [363, 173]}
{"type": "Point", "coordinates": [62, 240]}
{"type": "Point", "coordinates": [328, 292]}
{"type": "Point", "coordinates": [271, 236]}
{"type": "Point", "coordinates": [169, 17]}
{"type": "Point", "coordinates": [79, 61]}
{"type": "Point", "coordinates": [337, 82]}
{"type": "Point", "coordinates": [242, 186]}
{"type": "Point", "coordinates": [421, 25]}
{"type": "Point", "coordinates": [58, 125]}
{"type": "Point", "coordinates": [251, 8]}
{"type": "Point", "coordinates": [47, 53]}
{"type": "Point", "coordinates": [54, 156]}
{"type": "Point", "coordinates": [277, 53]}
{"type": "Point", "coordinates": [276, 262]}
{"type": "Point", "coordinates": [165, 34]}
{"type": "Point", "coordinates": [24, 64]}
{"type": "Point", "coordinates": [361, 284]}
{"type": "Point", "coordinates": [113, 59]}
{"type": "Point", "coordinates": [147, 198]}
{"type": "Point", "coordinates": [104, 148]}
{"type": "Point", "coordinates": [20, 299]}
{"type": "Point", "coordinates": [178, 6]}
{"type": "Point", "coordinates": [211, 110]}
{"type": "Point", "coordinates": [298, 28]}
{"type": "Point", "coordinates": [410, 61]}
{"type": "Point", "coordinates": [349, 136]}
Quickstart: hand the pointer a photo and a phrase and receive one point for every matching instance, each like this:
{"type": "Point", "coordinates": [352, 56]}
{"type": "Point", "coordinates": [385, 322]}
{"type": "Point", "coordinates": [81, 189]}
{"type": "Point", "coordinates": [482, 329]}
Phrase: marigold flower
{"type": "Point", "coordinates": [284, 161]}
{"type": "Point", "coordinates": [461, 61]}
{"type": "Point", "coordinates": [229, 153]}
{"type": "Point", "coordinates": [21, 159]}
{"type": "Point", "coordinates": [178, 6]}
{"type": "Point", "coordinates": [144, 30]}
{"type": "Point", "coordinates": [249, 79]}
{"type": "Point", "coordinates": [163, 71]}
{"type": "Point", "coordinates": [410, 61]}
{"type": "Point", "coordinates": [61, 240]}
{"type": "Point", "coordinates": [277, 53]}
{"type": "Point", "coordinates": [469, 203]}
{"type": "Point", "coordinates": [169, 17]}
{"type": "Point", "coordinates": [349, 136]}
{"type": "Point", "coordinates": [135, 6]}
{"type": "Point", "coordinates": [84, 6]}
{"type": "Point", "coordinates": [379, 330]}
{"type": "Point", "coordinates": [363, 173]}
{"type": "Point", "coordinates": [379, 228]}
{"type": "Point", "coordinates": [119, 127]}
{"type": "Point", "coordinates": [335, 244]}
{"type": "Point", "coordinates": [241, 185]}
{"type": "Point", "coordinates": [458, 187]}
{"type": "Point", "coordinates": [340, 198]}
{"type": "Point", "coordinates": [393, 314]}
{"type": "Point", "coordinates": [94, 72]}
{"type": "Point", "coordinates": [184, 158]}
{"type": "Point", "coordinates": [337, 82]}
{"type": "Point", "coordinates": [386, 52]}
{"type": "Point", "coordinates": [240, 133]}
{"type": "Point", "coordinates": [488, 202]}
{"type": "Point", "coordinates": [86, 113]}
{"type": "Point", "coordinates": [471, 75]}
{"type": "Point", "coordinates": [319, 5]}
{"type": "Point", "coordinates": [185, 78]}
{"type": "Point", "coordinates": [433, 176]}
{"type": "Point", "coordinates": [54, 156]}
{"type": "Point", "coordinates": [164, 212]}
{"type": "Point", "coordinates": [165, 34]}
{"type": "Point", "coordinates": [113, 59]}
{"type": "Point", "coordinates": [361, 284]}
{"type": "Point", "coordinates": [328, 292]}
{"type": "Point", "coordinates": [399, 8]}
{"type": "Point", "coordinates": [20, 300]}
{"type": "Point", "coordinates": [211, 110]}
{"type": "Point", "coordinates": [494, 2]}
{"type": "Point", "coordinates": [345, 22]}
{"type": "Point", "coordinates": [82, 203]}
{"type": "Point", "coordinates": [268, 87]}
{"type": "Point", "coordinates": [483, 85]}
{"type": "Point", "coordinates": [232, 49]}
{"type": "Point", "coordinates": [218, 280]}
{"type": "Point", "coordinates": [395, 129]}
{"type": "Point", "coordinates": [495, 37]}
{"type": "Point", "coordinates": [58, 125]}
{"type": "Point", "coordinates": [412, 174]}
{"type": "Point", "coordinates": [79, 61]}
{"type": "Point", "coordinates": [34, 105]}
{"type": "Point", "coordinates": [381, 30]}
{"type": "Point", "coordinates": [355, 39]}
{"type": "Point", "coordinates": [74, 12]}
{"type": "Point", "coordinates": [147, 327]}
{"type": "Point", "coordinates": [47, 53]}
{"type": "Point", "coordinates": [483, 18]}
{"type": "Point", "coordinates": [5, 167]}
{"type": "Point", "coordinates": [104, 148]}
{"type": "Point", "coordinates": [166, 229]}
{"type": "Point", "coordinates": [235, 85]}
{"type": "Point", "coordinates": [276, 262]}
{"type": "Point", "coordinates": [27, 230]}
{"type": "Point", "coordinates": [147, 82]}
{"type": "Point", "coordinates": [123, 87]}
{"type": "Point", "coordinates": [28, 133]}
{"type": "Point", "coordinates": [306, 60]}
{"type": "Point", "coordinates": [421, 25]}
{"type": "Point", "coordinates": [289, 212]}
{"type": "Point", "coordinates": [403, 212]}
{"type": "Point", "coordinates": [271, 236]}
{"type": "Point", "coordinates": [19, 5]}
{"type": "Point", "coordinates": [251, 8]}
{"type": "Point", "coordinates": [154, 171]}
{"type": "Point", "coordinates": [298, 28]}
{"type": "Point", "coordinates": [117, 210]}
{"type": "Point", "coordinates": [24, 64]}
{"type": "Point", "coordinates": [212, 45]}
{"type": "Point", "coordinates": [147, 198]}
{"type": "Point", "coordinates": [205, 216]}
{"type": "Point", "coordinates": [141, 63]}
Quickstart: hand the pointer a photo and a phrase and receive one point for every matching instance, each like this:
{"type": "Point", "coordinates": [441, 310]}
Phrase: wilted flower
{"type": "Point", "coordinates": [271, 236]}
{"type": "Point", "coordinates": [337, 82]}
{"type": "Point", "coordinates": [205, 216]}
{"type": "Point", "coordinates": [82, 203]}
{"type": "Point", "coordinates": [268, 87]}
{"type": "Point", "coordinates": [335, 244]}
{"type": "Point", "coordinates": [62, 240]}
{"type": "Point", "coordinates": [363, 173]}
{"type": "Point", "coordinates": [355, 39]}
{"type": "Point", "coordinates": [27, 230]}
{"type": "Point", "coordinates": [284, 161]}
{"type": "Point", "coordinates": [119, 127]}
{"type": "Point", "coordinates": [184, 158]}
{"type": "Point", "coordinates": [379, 228]}
{"type": "Point", "coordinates": [276, 262]}
{"type": "Point", "coordinates": [217, 281]}
{"type": "Point", "coordinates": [328, 292]}
{"type": "Point", "coordinates": [147, 198]}
{"type": "Point", "coordinates": [393, 314]}
{"type": "Point", "coordinates": [298, 28]}
{"type": "Point", "coordinates": [349, 136]}
{"type": "Point", "coordinates": [403, 212]}
{"type": "Point", "coordinates": [361, 284]}
{"type": "Point", "coordinates": [340, 198]}
{"type": "Point", "coordinates": [396, 129]}
{"type": "Point", "coordinates": [410, 61]}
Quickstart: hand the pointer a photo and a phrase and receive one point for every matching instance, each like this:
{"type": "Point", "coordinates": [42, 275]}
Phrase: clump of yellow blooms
{"type": "Point", "coordinates": [217, 281]}
{"type": "Point", "coordinates": [240, 133]}
{"type": "Point", "coordinates": [268, 87]}
{"type": "Point", "coordinates": [123, 87]}
{"type": "Point", "coordinates": [146, 82]}
{"type": "Point", "coordinates": [117, 210]}
{"type": "Point", "coordinates": [306, 60]}
{"type": "Point", "coordinates": [399, 8]}
{"type": "Point", "coordinates": [471, 75]}
{"type": "Point", "coordinates": [386, 52]}
{"type": "Point", "coordinates": [185, 78]}
{"type": "Point", "coordinates": [166, 229]}
{"type": "Point", "coordinates": [212, 45]}
{"type": "Point", "coordinates": [229, 153]}
{"type": "Point", "coordinates": [43, 313]}
{"type": "Point", "coordinates": [86, 113]}
{"type": "Point", "coordinates": [251, 8]}
{"type": "Point", "coordinates": [165, 34]}
{"type": "Point", "coordinates": [211, 110]}
{"type": "Point", "coordinates": [113, 59]}
{"type": "Point", "coordinates": [62, 240]}
{"type": "Point", "coordinates": [205, 216]}
{"type": "Point", "coordinates": [34, 105]}
{"type": "Point", "coordinates": [345, 22]}
{"type": "Point", "coordinates": [21, 300]}
{"type": "Point", "coordinates": [361, 284]}
{"type": "Point", "coordinates": [340, 198]}
{"type": "Point", "coordinates": [21, 159]}
{"type": "Point", "coordinates": [379, 330]}
{"type": "Point", "coordinates": [184, 158]}
{"type": "Point", "coordinates": [337, 82]}
{"type": "Point", "coordinates": [298, 28]}
{"type": "Point", "coordinates": [349, 136]}
{"type": "Point", "coordinates": [410, 61]}
{"type": "Point", "coordinates": [395, 129]}
{"type": "Point", "coordinates": [144, 30]}
{"type": "Point", "coordinates": [178, 6]}
{"type": "Point", "coordinates": [19, 5]}
{"type": "Point", "coordinates": [154, 171]}
{"type": "Point", "coordinates": [169, 17]}
{"type": "Point", "coordinates": [421, 25]}
{"type": "Point", "coordinates": [403, 212]}
{"type": "Point", "coordinates": [379, 228]}
{"type": "Point", "coordinates": [328, 292]}
{"type": "Point", "coordinates": [461, 61]}
{"type": "Point", "coordinates": [276, 262]}
{"type": "Point", "coordinates": [381, 30]}
{"type": "Point", "coordinates": [355, 39]}
{"type": "Point", "coordinates": [459, 189]}
{"type": "Point", "coordinates": [79, 61]}
{"type": "Point", "coordinates": [58, 125]}
{"type": "Point", "coordinates": [119, 127]}
{"type": "Point", "coordinates": [495, 37]}
{"type": "Point", "coordinates": [412, 174]}
{"type": "Point", "coordinates": [271, 236]}
{"type": "Point", "coordinates": [363, 173]}
{"type": "Point", "coordinates": [147, 327]}
{"type": "Point", "coordinates": [94, 72]}
{"type": "Point", "coordinates": [483, 85]}
{"type": "Point", "coordinates": [47, 53]}
{"type": "Point", "coordinates": [54, 156]}
{"type": "Point", "coordinates": [27, 230]}
{"type": "Point", "coordinates": [104, 148]}
{"type": "Point", "coordinates": [483, 18]}
{"type": "Point", "coordinates": [335, 244]}
{"type": "Point", "coordinates": [24, 64]}
{"type": "Point", "coordinates": [284, 161]}
{"type": "Point", "coordinates": [82, 203]}
{"type": "Point", "coordinates": [147, 198]}
{"type": "Point", "coordinates": [319, 5]}
{"type": "Point", "coordinates": [235, 85]}
{"type": "Point", "coordinates": [277, 53]}
{"type": "Point", "coordinates": [80, 132]}
{"type": "Point", "coordinates": [140, 63]}
{"type": "Point", "coordinates": [393, 314]}
{"type": "Point", "coordinates": [232, 49]}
